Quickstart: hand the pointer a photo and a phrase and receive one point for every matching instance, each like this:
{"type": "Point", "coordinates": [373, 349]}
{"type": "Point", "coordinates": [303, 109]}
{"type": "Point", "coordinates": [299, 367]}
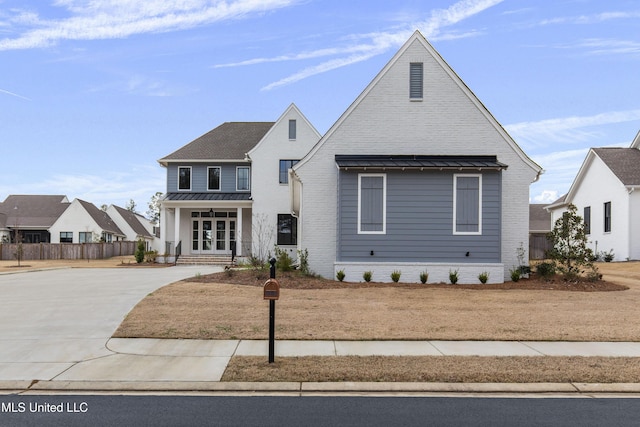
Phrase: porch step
{"type": "Point", "coordinates": [204, 260]}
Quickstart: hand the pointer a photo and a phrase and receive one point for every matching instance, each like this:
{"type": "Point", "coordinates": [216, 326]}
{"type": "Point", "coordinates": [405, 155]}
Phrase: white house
{"type": "Point", "coordinates": [289, 140]}
{"type": "Point", "coordinates": [134, 226]}
{"type": "Point", "coordinates": [606, 192]}
{"type": "Point", "coordinates": [83, 222]}
{"type": "Point", "coordinates": [415, 175]}
{"type": "Point", "coordinates": [228, 187]}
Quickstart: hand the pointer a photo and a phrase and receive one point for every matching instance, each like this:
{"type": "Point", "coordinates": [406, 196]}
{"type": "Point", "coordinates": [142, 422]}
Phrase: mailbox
{"type": "Point", "coordinates": [271, 289]}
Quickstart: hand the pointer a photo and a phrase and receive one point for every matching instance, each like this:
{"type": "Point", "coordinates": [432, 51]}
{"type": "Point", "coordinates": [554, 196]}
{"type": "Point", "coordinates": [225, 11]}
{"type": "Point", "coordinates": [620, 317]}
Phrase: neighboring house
{"type": "Point", "coordinates": [225, 187]}
{"type": "Point", "coordinates": [416, 175]}
{"type": "Point", "coordinates": [30, 216]}
{"type": "Point", "coordinates": [83, 222]}
{"type": "Point", "coordinates": [134, 226]}
{"type": "Point", "coordinates": [539, 227]}
{"type": "Point", "coordinates": [606, 192]}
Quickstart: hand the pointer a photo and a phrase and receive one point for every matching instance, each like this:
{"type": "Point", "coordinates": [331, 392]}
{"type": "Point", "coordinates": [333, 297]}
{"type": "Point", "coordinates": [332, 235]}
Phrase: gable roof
{"type": "Point", "coordinates": [623, 162]}
{"type": "Point", "coordinates": [132, 219]}
{"type": "Point", "coordinates": [418, 37]}
{"type": "Point", "coordinates": [33, 211]}
{"type": "Point", "coordinates": [229, 141]}
{"type": "Point", "coordinates": [101, 218]}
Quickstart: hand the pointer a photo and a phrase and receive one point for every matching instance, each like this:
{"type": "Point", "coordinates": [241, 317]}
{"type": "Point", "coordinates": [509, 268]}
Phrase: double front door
{"type": "Point", "coordinates": [213, 235]}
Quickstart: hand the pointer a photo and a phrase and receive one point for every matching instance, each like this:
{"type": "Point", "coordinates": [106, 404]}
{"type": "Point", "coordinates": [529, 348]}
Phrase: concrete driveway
{"type": "Point", "coordinates": [50, 320]}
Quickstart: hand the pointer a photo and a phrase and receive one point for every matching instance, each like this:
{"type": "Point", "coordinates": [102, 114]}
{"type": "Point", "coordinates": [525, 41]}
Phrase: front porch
{"type": "Point", "coordinates": [206, 228]}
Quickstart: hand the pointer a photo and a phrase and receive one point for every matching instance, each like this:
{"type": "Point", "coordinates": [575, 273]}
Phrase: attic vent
{"type": "Point", "coordinates": [415, 81]}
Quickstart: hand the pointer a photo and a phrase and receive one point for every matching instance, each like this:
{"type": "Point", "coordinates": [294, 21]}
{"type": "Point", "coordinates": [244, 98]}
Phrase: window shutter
{"type": "Point", "coordinates": [415, 80]}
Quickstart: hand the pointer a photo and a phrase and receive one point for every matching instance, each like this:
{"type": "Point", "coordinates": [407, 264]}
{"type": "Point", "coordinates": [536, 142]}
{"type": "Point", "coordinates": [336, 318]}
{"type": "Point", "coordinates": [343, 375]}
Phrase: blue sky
{"type": "Point", "coordinates": [93, 92]}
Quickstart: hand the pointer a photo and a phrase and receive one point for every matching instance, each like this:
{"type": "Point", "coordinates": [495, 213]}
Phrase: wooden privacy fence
{"type": "Point", "coordinates": [42, 251]}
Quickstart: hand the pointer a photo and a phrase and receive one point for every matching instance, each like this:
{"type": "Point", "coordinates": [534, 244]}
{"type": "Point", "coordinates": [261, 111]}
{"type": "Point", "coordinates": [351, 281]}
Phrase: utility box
{"type": "Point", "coordinates": [271, 290]}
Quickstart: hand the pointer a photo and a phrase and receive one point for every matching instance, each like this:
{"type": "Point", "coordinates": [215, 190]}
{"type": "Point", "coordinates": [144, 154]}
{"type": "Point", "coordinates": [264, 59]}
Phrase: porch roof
{"type": "Point", "coordinates": [208, 196]}
{"type": "Point", "coordinates": [418, 162]}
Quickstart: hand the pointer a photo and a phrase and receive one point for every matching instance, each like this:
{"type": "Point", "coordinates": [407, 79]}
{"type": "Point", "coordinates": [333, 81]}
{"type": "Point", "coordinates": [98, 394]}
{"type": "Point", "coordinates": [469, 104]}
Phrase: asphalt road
{"type": "Point", "coordinates": [313, 411]}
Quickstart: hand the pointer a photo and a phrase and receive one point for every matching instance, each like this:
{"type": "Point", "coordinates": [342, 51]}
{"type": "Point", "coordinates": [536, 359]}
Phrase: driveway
{"type": "Point", "coordinates": [50, 320]}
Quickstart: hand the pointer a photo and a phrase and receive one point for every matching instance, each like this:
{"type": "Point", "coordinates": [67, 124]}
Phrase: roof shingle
{"type": "Point", "coordinates": [623, 162]}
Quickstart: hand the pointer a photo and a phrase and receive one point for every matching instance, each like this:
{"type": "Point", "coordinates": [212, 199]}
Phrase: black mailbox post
{"type": "Point", "coordinates": [272, 293]}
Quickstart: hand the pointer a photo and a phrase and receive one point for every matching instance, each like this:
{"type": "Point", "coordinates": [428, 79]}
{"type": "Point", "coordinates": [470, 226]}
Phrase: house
{"type": "Point", "coordinates": [415, 175]}
{"type": "Point", "coordinates": [83, 222]}
{"type": "Point", "coordinates": [227, 189]}
{"type": "Point", "coordinates": [606, 192]}
{"type": "Point", "coordinates": [539, 227]}
{"type": "Point", "coordinates": [30, 216]}
{"type": "Point", "coordinates": [134, 226]}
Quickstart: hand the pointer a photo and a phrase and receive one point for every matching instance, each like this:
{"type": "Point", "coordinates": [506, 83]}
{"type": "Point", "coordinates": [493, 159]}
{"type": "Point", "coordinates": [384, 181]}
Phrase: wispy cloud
{"type": "Point", "coordinates": [360, 47]}
{"type": "Point", "coordinates": [567, 130]}
{"type": "Point", "coordinates": [609, 47]}
{"type": "Point", "coordinates": [14, 94]}
{"type": "Point", "coordinates": [110, 19]}
{"type": "Point", "coordinates": [591, 19]}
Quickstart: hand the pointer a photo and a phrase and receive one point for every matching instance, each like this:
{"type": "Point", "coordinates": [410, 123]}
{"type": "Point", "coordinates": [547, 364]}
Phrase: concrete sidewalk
{"type": "Point", "coordinates": [198, 365]}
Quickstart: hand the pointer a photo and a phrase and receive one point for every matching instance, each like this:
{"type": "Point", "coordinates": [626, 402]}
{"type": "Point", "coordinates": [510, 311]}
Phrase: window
{"type": "Point", "coordinates": [184, 178]}
{"type": "Point", "coordinates": [587, 220]}
{"type": "Point", "coordinates": [285, 165]}
{"type": "Point", "coordinates": [467, 204]}
{"type": "Point", "coordinates": [607, 217]}
{"type": "Point", "coordinates": [415, 81]}
{"type": "Point", "coordinates": [213, 181]}
{"type": "Point", "coordinates": [242, 178]}
{"type": "Point", "coordinates": [107, 237]}
{"type": "Point", "coordinates": [66, 237]}
{"type": "Point", "coordinates": [287, 230]}
{"type": "Point", "coordinates": [372, 203]}
{"type": "Point", "coordinates": [85, 237]}
{"type": "Point", "coordinates": [292, 129]}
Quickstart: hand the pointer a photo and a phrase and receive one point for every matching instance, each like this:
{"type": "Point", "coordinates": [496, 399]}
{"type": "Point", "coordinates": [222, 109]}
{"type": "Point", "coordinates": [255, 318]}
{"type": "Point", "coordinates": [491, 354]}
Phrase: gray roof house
{"type": "Point", "coordinates": [83, 222]}
{"type": "Point", "coordinates": [606, 191]}
{"type": "Point", "coordinates": [230, 185]}
{"type": "Point", "coordinates": [133, 225]}
{"type": "Point", "coordinates": [31, 215]}
{"type": "Point", "coordinates": [416, 175]}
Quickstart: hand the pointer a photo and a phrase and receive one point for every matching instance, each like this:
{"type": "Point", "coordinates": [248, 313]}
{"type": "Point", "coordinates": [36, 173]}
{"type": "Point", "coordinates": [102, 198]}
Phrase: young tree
{"type": "Point", "coordinates": [131, 206]}
{"type": "Point", "coordinates": [153, 213]}
{"type": "Point", "coordinates": [569, 250]}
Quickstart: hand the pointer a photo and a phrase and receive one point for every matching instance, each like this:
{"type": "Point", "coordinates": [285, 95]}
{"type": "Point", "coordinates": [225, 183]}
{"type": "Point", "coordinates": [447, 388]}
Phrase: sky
{"type": "Point", "coordinates": [94, 92]}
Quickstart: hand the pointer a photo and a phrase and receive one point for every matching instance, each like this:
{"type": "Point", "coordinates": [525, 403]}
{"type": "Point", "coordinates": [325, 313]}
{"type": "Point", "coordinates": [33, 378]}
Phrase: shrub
{"type": "Point", "coordinates": [569, 250]}
{"type": "Point", "coordinates": [483, 277]}
{"type": "Point", "coordinates": [453, 276]}
{"type": "Point", "coordinates": [303, 260]}
{"type": "Point", "coordinates": [283, 260]}
{"type": "Point", "coordinates": [150, 256]}
{"type": "Point", "coordinates": [546, 269]}
{"type": "Point", "coordinates": [515, 274]}
{"type": "Point", "coordinates": [395, 275]}
{"type": "Point", "coordinates": [140, 252]}
{"type": "Point", "coordinates": [340, 275]}
{"type": "Point", "coordinates": [608, 256]}
{"type": "Point", "coordinates": [424, 276]}
{"type": "Point", "coordinates": [367, 276]}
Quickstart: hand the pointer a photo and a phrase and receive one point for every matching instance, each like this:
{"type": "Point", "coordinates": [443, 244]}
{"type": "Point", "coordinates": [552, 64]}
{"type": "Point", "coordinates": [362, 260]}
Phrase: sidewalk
{"type": "Point", "coordinates": [198, 365]}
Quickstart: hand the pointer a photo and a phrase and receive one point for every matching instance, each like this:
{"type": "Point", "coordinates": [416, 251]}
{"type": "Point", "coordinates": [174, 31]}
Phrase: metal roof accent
{"type": "Point", "coordinates": [418, 162]}
{"type": "Point", "coordinates": [208, 196]}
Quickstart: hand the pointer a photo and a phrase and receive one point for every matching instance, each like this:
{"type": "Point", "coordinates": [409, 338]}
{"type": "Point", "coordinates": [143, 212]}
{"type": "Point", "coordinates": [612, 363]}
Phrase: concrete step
{"type": "Point", "coordinates": [204, 260]}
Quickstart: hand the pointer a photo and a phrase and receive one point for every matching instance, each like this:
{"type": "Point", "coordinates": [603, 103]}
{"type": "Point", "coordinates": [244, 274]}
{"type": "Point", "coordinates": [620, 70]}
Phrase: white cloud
{"type": "Point", "coordinates": [379, 42]}
{"type": "Point", "coordinates": [546, 197]}
{"type": "Point", "coordinates": [591, 19]}
{"type": "Point", "coordinates": [14, 94]}
{"type": "Point", "coordinates": [565, 130]}
{"type": "Point", "coordinates": [109, 19]}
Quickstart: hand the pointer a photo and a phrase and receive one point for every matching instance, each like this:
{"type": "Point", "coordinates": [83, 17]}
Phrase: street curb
{"type": "Point", "coordinates": [315, 387]}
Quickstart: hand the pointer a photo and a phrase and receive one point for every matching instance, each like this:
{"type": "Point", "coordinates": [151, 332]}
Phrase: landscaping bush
{"type": "Point", "coordinates": [395, 275]}
{"type": "Point", "coordinates": [424, 276]}
{"type": "Point", "coordinates": [453, 276]}
{"type": "Point", "coordinates": [367, 276]}
{"type": "Point", "coordinates": [140, 250]}
{"type": "Point", "coordinates": [483, 277]}
{"type": "Point", "coordinates": [515, 274]}
{"type": "Point", "coordinates": [283, 260]}
{"type": "Point", "coordinates": [546, 269]}
{"type": "Point", "coordinates": [340, 275]}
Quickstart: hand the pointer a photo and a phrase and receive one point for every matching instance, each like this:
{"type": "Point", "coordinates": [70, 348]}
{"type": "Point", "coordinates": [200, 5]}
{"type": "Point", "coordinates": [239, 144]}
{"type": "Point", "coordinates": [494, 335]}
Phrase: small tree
{"type": "Point", "coordinates": [140, 251]}
{"type": "Point", "coordinates": [569, 244]}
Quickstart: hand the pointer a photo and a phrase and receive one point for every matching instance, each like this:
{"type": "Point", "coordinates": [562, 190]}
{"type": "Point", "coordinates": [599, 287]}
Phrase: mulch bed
{"type": "Point", "coordinates": [295, 280]}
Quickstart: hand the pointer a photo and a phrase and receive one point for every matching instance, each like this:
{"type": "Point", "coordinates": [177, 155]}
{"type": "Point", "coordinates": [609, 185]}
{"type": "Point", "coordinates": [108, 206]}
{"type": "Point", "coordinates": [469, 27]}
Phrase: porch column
{"type": "Point", "coordinates": [163, 230]}
{"type": "Point", "coordinates": [177, 227]}
{"type": "Point", "coordinates": [239, 233]}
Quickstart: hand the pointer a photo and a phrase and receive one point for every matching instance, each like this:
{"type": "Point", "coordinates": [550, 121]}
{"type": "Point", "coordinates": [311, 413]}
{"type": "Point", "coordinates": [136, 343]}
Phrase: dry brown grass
{"type": "Point", "coordinates": [441, 312]}
{"type": "Point", "coordinates": [436, 369]}
{"type": "Point", "coordinates": [29, 265]}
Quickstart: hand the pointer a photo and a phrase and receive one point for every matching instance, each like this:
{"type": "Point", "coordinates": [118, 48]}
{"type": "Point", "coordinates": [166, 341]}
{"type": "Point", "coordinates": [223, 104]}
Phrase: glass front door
{"type": "Point", "coordinates": [205, 239]}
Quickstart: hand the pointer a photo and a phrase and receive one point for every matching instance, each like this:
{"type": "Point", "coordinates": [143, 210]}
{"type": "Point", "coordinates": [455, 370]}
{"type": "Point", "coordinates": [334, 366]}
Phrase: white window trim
{"type": "Point", "coordinates": [384, 202]}
{"type": "Point", "coordinates": [248, 178]}
{"type": "Point", "coordinates": [455, 204]}
{"type": "Point", "coordinates": [190, 178]}
{"type": "Point", "coordinates": [219, 179]}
